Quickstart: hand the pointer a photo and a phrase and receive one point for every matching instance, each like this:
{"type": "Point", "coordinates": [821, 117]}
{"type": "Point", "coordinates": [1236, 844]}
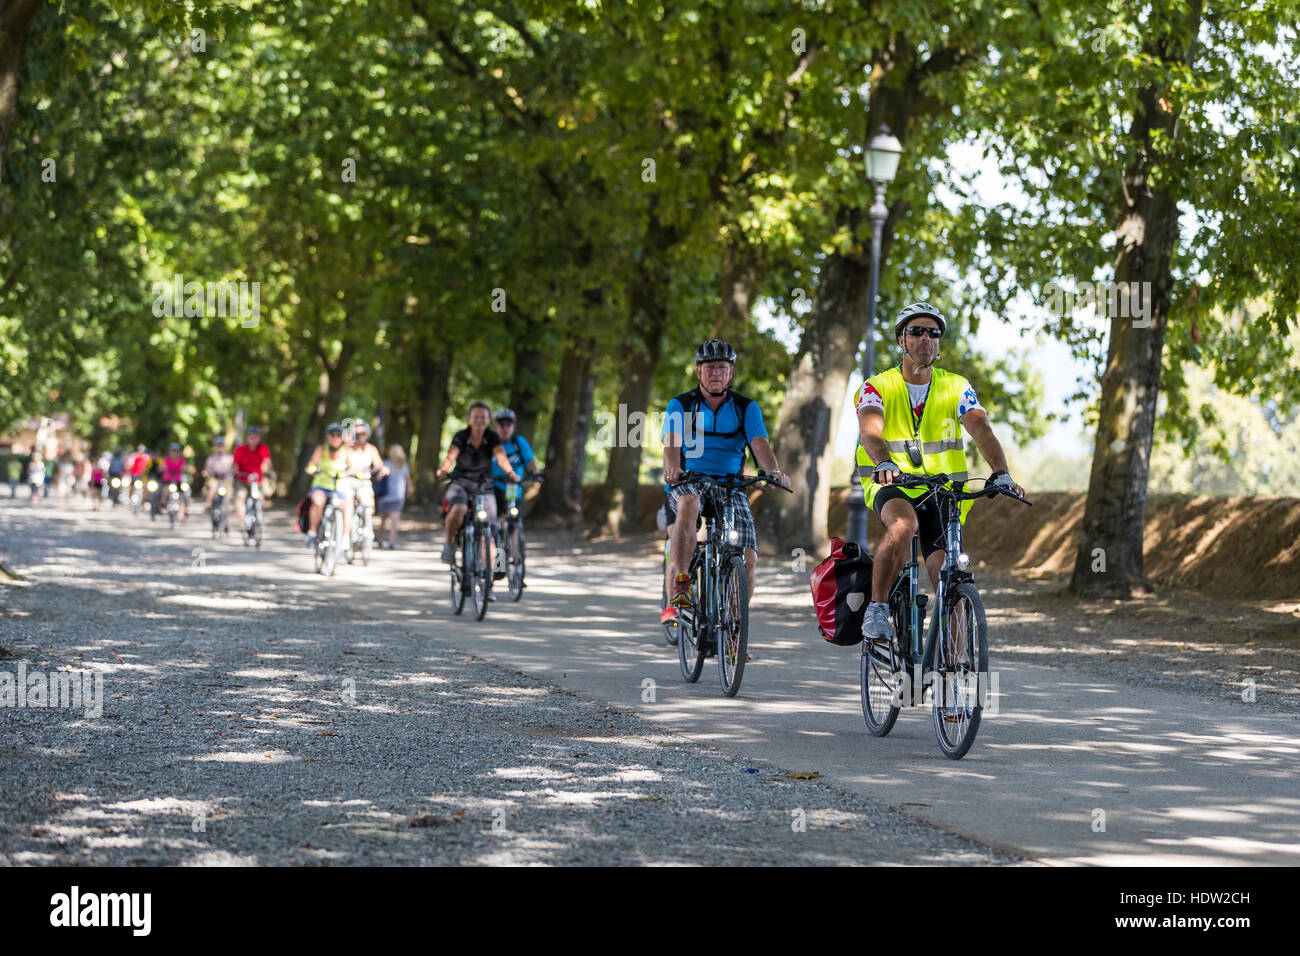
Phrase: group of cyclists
{"type": "Point", "coordinates": [905, 418]}
{"type": "Point", "coordinates": [154, 480]}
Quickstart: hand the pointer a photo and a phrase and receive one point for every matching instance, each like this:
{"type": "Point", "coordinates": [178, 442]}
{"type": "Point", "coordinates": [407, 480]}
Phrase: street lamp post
{"type": "Point", "coordinates": [882, 157]}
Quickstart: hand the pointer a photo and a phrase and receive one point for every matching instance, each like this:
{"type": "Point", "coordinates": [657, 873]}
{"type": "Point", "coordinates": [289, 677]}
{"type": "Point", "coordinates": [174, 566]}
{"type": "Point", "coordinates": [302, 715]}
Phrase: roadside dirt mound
{"type": "Point", "coordinates": [1225, 547]}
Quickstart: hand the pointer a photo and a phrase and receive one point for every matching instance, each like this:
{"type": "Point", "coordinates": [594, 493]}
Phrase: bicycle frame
{"type": "Point", "coordinates": [954, 573]}
{"type": "Point", "coordinates": [721, 542]}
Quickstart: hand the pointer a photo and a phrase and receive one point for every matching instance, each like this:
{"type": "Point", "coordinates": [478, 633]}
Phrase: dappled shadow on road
{"type": "Point", "coordinates": [244, 726]}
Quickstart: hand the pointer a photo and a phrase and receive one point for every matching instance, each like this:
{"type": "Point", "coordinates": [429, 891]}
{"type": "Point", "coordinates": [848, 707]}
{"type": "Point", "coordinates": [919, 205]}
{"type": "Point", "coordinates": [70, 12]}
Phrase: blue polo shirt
{"type": "Point", "coordinates": [714, 455]}
{"type": "Point", "coordinates": [520, 454]}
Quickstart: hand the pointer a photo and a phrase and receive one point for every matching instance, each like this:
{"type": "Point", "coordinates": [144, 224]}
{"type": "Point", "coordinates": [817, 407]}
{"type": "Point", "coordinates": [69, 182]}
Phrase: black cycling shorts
{"type": "Point", "coordinates": [930, 522]}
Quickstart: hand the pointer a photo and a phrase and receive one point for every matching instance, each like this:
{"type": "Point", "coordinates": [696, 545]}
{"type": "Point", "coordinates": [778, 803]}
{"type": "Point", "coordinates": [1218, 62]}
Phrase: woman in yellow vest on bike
{"type": "Point", "coordinates": [910, 419]}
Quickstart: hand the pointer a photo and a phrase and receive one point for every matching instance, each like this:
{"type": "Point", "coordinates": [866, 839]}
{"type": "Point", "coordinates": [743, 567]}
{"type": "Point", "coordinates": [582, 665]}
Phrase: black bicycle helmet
{"type": "Point", "coordinates": [915, 309]}
{"type": "Point", "coordinates": [505, 415]}
{"type": "Point", "coordinates": [715, 350]}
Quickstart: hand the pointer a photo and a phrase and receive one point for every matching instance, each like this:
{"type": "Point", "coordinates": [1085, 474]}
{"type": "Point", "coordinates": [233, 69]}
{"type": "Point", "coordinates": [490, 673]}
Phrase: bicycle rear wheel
{"type": "Point", "coordinates": [880, 671]}
{"type": "Point", "coordinates": [960, 671]}
{"type": "Point", "coordinates": [733, 625]}
{"type": "Point", "coordinates": [692, 631]}
{"type": "Point", "coordinates": [515, 561]}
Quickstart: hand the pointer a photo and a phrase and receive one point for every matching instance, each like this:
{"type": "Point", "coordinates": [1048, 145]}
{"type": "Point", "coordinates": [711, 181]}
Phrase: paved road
{"type": "Point", "coordinates": [1073, 768]}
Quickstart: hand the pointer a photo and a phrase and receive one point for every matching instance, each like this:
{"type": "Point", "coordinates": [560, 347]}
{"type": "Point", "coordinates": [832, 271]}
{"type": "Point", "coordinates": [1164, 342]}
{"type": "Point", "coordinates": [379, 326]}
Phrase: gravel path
{"type": "Point", "coordinates": [244, 723]}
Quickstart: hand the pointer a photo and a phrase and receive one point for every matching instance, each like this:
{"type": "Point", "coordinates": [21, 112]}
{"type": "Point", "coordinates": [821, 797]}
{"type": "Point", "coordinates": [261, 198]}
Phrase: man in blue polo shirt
{"type": "Point", "coordinates": [707, 430]}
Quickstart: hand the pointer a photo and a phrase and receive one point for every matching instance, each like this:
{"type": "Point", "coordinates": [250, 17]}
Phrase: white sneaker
{"type": "Point", "coordinates": [875, 623]}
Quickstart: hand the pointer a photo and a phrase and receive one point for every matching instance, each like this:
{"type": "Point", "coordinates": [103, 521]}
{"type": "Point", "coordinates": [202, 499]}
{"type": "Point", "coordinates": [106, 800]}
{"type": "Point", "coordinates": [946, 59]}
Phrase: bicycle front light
{"type": "Point", "coordinates": [514, 512]}
{"type": "Point", "coordinates": [733, 536]}
{"type": "Point", "coordinates": [482, 516]}
{"type": "Point", "coordinates": [222, 491]}
{"type": "Point", "coordinates": [117, 482]}
{"type": "Point", "coordinates": [963, 562]}
{"type": "Point", "coordinates": [153, 486]}
{"type": "Point", "coordinates": [185, 487]}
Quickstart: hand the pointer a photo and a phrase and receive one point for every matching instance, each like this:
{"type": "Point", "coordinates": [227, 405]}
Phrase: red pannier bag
{"type": "Point", "coordinates": [841, 590]}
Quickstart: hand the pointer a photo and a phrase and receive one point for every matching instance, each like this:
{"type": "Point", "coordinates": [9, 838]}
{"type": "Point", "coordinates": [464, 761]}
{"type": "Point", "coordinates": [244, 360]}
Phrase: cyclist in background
{"type": "Point", "coordinates": [363, 460]}
{"type": "Point", "coordinates": [217, 468]}
{"type": "Point", "coordinates": [327, 466]}
{"type": "Point", "coordinates": [469, 462]}
{"type": "Point", "coordinates": [517, 450]}
{"type": "Point", "coordinates": [252, 462]}
{"type": "Point", "coordinates": [173, 473]}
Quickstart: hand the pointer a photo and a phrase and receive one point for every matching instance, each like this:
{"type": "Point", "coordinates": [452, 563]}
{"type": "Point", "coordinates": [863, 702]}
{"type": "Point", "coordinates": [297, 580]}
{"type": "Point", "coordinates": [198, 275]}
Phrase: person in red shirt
{"type": "Point", "coordinates": [138, 462]}
{"type": "Point", "coordinates": [252, 463]}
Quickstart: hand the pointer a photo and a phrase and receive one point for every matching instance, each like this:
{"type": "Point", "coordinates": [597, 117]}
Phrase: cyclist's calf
{"type": "Point", "coordinates": [900, 524]}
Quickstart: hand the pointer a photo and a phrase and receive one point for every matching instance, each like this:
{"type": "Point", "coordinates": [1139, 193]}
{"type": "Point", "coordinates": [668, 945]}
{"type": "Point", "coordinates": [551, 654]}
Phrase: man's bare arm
{"type": "Point", "coordinates": [976, 423]}
{"type": "Point", "coordinates": [871, 427]}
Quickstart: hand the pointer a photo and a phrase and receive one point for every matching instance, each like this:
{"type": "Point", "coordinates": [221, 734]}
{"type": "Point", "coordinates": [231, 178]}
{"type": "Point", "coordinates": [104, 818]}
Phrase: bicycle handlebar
{"type": "Point", "coordinates": [936, 483]}
{"type": "Point", "coordinates": [735, 482]}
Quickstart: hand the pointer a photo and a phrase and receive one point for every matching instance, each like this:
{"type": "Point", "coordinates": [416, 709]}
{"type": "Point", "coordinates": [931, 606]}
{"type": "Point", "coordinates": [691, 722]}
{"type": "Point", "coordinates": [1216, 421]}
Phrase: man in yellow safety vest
{"type": "Point", "coordinates": [910, 420]}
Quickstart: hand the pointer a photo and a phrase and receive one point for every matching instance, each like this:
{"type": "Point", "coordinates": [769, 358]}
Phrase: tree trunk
{"type": "Point", "coordinates": [399, 426]}
{"type": "Point", "coordinates": [566, 448]}
{"type": "Point", "coordinates": [528, 381]}
{"type": "Point", "coordinates": [16, 18]}
{"type": "Point", "coordinates": [1109, 561]}
{"type": "Point", "coordinates": [329, 397]}
{"type": "Point", "coordinates": [648, 312]}
{"type": "Point", "coordinates": [740, 273]}
{"type": "Point", "coordinates": [435, 376]}
{"type": "Point", "coordinates": [806, 427]}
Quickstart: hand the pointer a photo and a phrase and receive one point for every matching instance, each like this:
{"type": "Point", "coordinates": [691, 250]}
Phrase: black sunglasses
{"type": "Point", "coordinates": [917, 331]}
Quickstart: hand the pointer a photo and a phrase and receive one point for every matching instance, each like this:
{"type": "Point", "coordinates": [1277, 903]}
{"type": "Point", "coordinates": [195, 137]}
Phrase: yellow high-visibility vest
{"type": "Point", "coordinates": [940, 433]}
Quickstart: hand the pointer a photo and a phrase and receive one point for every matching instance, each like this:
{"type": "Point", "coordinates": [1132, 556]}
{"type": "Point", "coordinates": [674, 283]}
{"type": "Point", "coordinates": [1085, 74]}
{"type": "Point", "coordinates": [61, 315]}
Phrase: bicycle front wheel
{"type": "Point", "coordinates": [515, 562]}
{"type": "Point", "coordinates": [733, 625]}
{"type": "Point", "coordinates": [332, 545]}
{"type": "Point", "coordinates": [318, 552]}
{"type": "Point", "coordinates": [457, 577]}
{"type": "Point", "coordinates": [481, 574]}
{"type": "Point", "coordinates": [880, 673]}
{"type": "Point", "coordinates": [960, 672]}
{"type": "Point", "coordinates": [691, 634]}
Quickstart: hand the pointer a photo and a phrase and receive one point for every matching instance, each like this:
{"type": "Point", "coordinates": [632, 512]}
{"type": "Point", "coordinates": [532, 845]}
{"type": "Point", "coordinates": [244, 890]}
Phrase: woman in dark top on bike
{"type": "Point", "coordinates": [469, 462]}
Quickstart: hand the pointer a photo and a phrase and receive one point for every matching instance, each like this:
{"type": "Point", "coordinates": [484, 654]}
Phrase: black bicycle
{"type": "Point", "coordinates": [253, 511]}
{"type": "Point", "coordinates": [511, 544]}
{"type": "Point", "coordinates": [954, 660]}
{"type": "Point", "coordinates": [717, 621]}
{"type": "Point", "coordinates": [220, 525]}
{"type": "Point", "coordinates": [471, 566]}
